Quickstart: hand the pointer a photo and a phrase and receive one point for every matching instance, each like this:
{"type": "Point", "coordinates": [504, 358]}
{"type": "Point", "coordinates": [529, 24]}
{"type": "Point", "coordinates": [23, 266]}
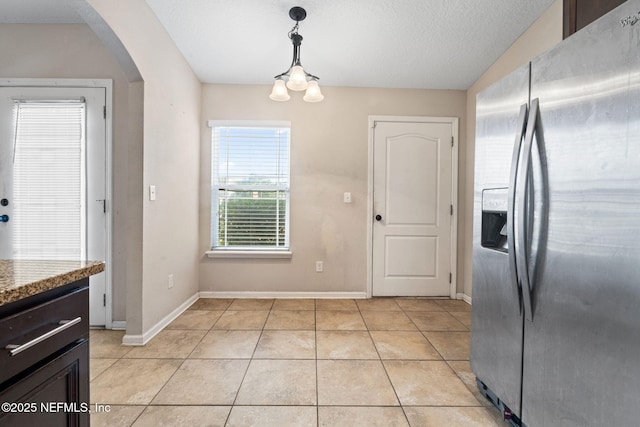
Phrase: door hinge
{"type": "Point", "coordinates": [375, 124]}
{"type": "Point", "coordinates": [104, 111]}
{"type": "Point", "coordinates": [450, 277]}
{"type": "Point", "coordinates": [104, 299]}
{"type": "Point", "coordinates": [451, 209]}
{"type": "Point", "coordinates": [452, 141]}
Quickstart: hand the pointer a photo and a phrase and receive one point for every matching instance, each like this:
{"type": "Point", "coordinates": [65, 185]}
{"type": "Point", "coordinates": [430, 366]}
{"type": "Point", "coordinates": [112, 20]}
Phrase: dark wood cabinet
{"type": "Point", "coordinates": [46, 379]}
{"type": "Point", "coordinates": [577, 14]}
{"type": "Point", "coordinates": [54, 394]}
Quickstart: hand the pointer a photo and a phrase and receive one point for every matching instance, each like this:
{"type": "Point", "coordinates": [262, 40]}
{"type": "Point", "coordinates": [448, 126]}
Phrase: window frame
{"type": "Point", "coordinates": [248, 251]}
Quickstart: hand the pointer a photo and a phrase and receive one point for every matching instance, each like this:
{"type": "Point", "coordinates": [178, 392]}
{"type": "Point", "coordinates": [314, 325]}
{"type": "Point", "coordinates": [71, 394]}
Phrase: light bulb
{"type": "Point", "coordinates": [279, 91]}
{"type": "Point", "coordinates": [297, 79]}
{"type": "Point", "coordinates": [313, 93]}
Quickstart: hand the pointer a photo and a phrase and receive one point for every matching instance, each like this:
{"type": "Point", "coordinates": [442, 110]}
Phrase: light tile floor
{"type": "Point", "coordinates": [263, 362]}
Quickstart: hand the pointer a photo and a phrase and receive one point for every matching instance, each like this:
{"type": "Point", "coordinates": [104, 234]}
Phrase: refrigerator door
{"type": "Point", "coordinates": [496, 337]}
{"type": "Point", "coordinates": [581, 351]}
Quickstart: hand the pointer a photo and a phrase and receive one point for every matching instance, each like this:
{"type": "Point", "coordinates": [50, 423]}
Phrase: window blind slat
{"type": "Point", "coordinates": [48, 181]}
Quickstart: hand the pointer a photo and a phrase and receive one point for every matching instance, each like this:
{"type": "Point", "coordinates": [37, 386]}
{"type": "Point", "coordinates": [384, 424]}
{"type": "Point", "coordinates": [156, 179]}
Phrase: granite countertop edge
{"type": "Point", "coordinates": [16, 283]}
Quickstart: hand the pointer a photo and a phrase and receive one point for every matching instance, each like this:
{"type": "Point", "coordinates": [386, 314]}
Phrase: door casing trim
{"type": "Point", "coordinates": [454, 122]}
{"type": "Point", "coordinates": [107, 84]}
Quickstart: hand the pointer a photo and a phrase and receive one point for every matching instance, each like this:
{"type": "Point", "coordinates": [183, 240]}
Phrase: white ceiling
{"type": "Point", "coordinates": [429, 44]}
{"type": "Point", "coordinates": [38, 12]}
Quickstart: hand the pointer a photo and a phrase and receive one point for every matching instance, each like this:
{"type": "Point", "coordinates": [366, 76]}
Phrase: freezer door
{"type": "Point", "coordinates": [496, 334]}
{"type": "Point", "coordinates": [581, 352]}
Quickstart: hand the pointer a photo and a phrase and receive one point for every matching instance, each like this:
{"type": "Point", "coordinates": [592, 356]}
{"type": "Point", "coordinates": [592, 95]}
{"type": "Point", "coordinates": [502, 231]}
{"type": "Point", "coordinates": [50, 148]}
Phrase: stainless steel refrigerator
{"type": "Point", "coordinates": [556, 258]}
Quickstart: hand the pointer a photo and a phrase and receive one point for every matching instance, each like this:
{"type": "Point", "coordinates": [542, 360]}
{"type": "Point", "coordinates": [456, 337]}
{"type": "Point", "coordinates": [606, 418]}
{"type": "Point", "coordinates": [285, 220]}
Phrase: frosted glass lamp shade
{"type": "Point", "coordinates": [279, 91]}
{"type": "Point", "coordinates": [297, 79]}
{"type": "Point", "coordinates": [313, 93]}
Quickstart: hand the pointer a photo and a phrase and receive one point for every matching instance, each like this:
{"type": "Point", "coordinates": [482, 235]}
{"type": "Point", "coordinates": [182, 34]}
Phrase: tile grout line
{"type": "Point", "coordinates": [446, 360]}
{"type": "Point", "coordinates": [226, 421]}
{"type": "Point", "coordinates": [317, 359]}
{"type": "Point", "coordinates": [181, 364]}
{"type": "Point", "coordinates": [422, 333]}
{"type": "Point", "coordinates": [315, 335]}
{"type": "Point", "coordinates": [185, 359]}
{"type": "Point", "coordinates": [146, 406]}
{"type": "Point", "coordinates": [244, 376]}
{"type": "Point", "coordinates": [395, 392]}
{"type": "Point", "coordinates": [385, 368]}
{"type": "Point", "coordinates": [439, 353]}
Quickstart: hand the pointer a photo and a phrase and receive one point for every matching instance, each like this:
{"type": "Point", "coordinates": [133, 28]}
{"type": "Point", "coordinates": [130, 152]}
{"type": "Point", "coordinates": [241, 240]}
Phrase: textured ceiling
{"type": "Point", "coordinates": [38, 12]}
{"type": "Point", "coordinates": [431, 44]}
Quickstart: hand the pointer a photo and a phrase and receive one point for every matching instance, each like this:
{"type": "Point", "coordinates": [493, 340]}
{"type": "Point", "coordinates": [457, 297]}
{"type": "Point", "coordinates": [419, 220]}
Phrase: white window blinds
{"type": "Point", "coordinates": [49, 180]}
{"type": "Point", "coordinates": [250, 187]}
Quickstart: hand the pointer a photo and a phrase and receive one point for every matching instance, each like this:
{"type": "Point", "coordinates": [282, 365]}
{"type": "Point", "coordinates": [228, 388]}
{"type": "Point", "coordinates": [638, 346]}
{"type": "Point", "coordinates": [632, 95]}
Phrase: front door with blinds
{"type": "Point", "coordinates": [52, 178]}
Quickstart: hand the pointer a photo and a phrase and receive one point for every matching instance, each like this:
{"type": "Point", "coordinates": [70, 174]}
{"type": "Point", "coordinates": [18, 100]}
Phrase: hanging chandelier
{"type": "Point", "coordinates": [296, 78]}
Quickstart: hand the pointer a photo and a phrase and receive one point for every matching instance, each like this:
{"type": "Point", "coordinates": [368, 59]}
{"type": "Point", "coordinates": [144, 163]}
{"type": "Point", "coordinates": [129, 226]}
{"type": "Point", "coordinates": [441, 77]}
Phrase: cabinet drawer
{"type": "Point", "coordinates": [37, 332]}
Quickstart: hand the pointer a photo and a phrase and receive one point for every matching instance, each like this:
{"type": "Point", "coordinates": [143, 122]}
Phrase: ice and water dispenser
{"type": "Point", "coordinates": [494, 218]}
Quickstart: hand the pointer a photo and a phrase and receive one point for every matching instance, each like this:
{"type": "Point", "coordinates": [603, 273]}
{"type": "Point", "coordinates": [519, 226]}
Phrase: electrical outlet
{"type": "Point", "coordinates": [170, 281]}
{"type": "Point", "coordinates": [152, 192]}
{"type": "Point", "coordinates": [347, 197]}
{"type": "Point", "coordinates": [319, 266]}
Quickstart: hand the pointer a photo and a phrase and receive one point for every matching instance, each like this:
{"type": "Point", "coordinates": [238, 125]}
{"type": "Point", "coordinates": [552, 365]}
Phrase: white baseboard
{"type": "Point", "coordinates": [153, 331]}
{"type": "Point", "coordinates": [119, 325]}
{"type": "Point", "coordinates": [316, 295]}
{"type": "Point", "coordinates": [466, 298]}
{"type": "Point", "coordinates": [139, 340]}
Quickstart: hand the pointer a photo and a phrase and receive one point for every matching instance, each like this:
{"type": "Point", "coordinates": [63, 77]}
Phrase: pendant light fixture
{"type": "Point", "coordinates": [296, 78]}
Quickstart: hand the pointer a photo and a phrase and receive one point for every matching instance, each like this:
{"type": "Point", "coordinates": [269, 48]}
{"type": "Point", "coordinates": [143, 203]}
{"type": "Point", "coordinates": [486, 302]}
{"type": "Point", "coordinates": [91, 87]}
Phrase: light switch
{"type": "Point", "coordinates": [152, 192]}
{"type": "Point", "coordinates": [347, 197]}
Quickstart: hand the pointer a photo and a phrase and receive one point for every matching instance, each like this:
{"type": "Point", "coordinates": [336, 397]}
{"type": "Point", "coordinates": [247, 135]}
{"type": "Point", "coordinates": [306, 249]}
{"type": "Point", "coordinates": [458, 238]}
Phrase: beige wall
{"type": "Point", "coordinates": [74, 51]}
{"type": "Point", "coordinates": [161, 138]}
{"type": "Point", "coordinates": [329, 156]}
{"type": "Point", "coordinates": [170, 161]}
{"type": "Point", "coordinates": [543, 34]}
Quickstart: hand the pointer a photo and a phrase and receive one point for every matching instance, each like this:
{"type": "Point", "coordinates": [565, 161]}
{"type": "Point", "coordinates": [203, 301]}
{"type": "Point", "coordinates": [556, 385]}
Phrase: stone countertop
{"type": "Point", "coordinates": [23, 278]}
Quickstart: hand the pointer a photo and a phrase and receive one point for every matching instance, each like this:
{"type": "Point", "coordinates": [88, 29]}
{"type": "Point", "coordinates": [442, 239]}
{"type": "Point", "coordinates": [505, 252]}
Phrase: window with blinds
{"type": "Point", "coordinates": [250, 186]}
{"type": "Point", "coordinates": [49, 169]}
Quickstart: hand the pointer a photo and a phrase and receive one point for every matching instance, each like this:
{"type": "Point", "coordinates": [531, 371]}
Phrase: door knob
{"type": "Point", "coordinates": [378, 217]}
{"type": "Point", "coordinates": [4, 202]}
{"type": "Point", "coordinates": [4, 218]}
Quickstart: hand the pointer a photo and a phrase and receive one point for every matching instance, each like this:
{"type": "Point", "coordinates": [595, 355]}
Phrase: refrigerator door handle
{"type": "Point", "coordinates": [511, 229]}
{"type": "Point", "coordinates": [521, 236]}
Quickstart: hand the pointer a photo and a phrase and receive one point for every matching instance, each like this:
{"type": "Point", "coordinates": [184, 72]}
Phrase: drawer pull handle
{"type": "Point", "coordinates": [64, 324]}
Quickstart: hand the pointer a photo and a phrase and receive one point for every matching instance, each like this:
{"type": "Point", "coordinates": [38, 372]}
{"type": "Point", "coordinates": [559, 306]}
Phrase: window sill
{"type": "Point", "coordinates": [276, 254]}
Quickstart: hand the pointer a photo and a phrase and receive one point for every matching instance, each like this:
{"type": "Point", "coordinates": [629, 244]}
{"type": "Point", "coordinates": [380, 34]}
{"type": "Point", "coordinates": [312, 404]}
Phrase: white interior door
{"type": "Point", "coordinates": [412, 182]}
{"type": "Point", "coordinates": [53, 178]}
